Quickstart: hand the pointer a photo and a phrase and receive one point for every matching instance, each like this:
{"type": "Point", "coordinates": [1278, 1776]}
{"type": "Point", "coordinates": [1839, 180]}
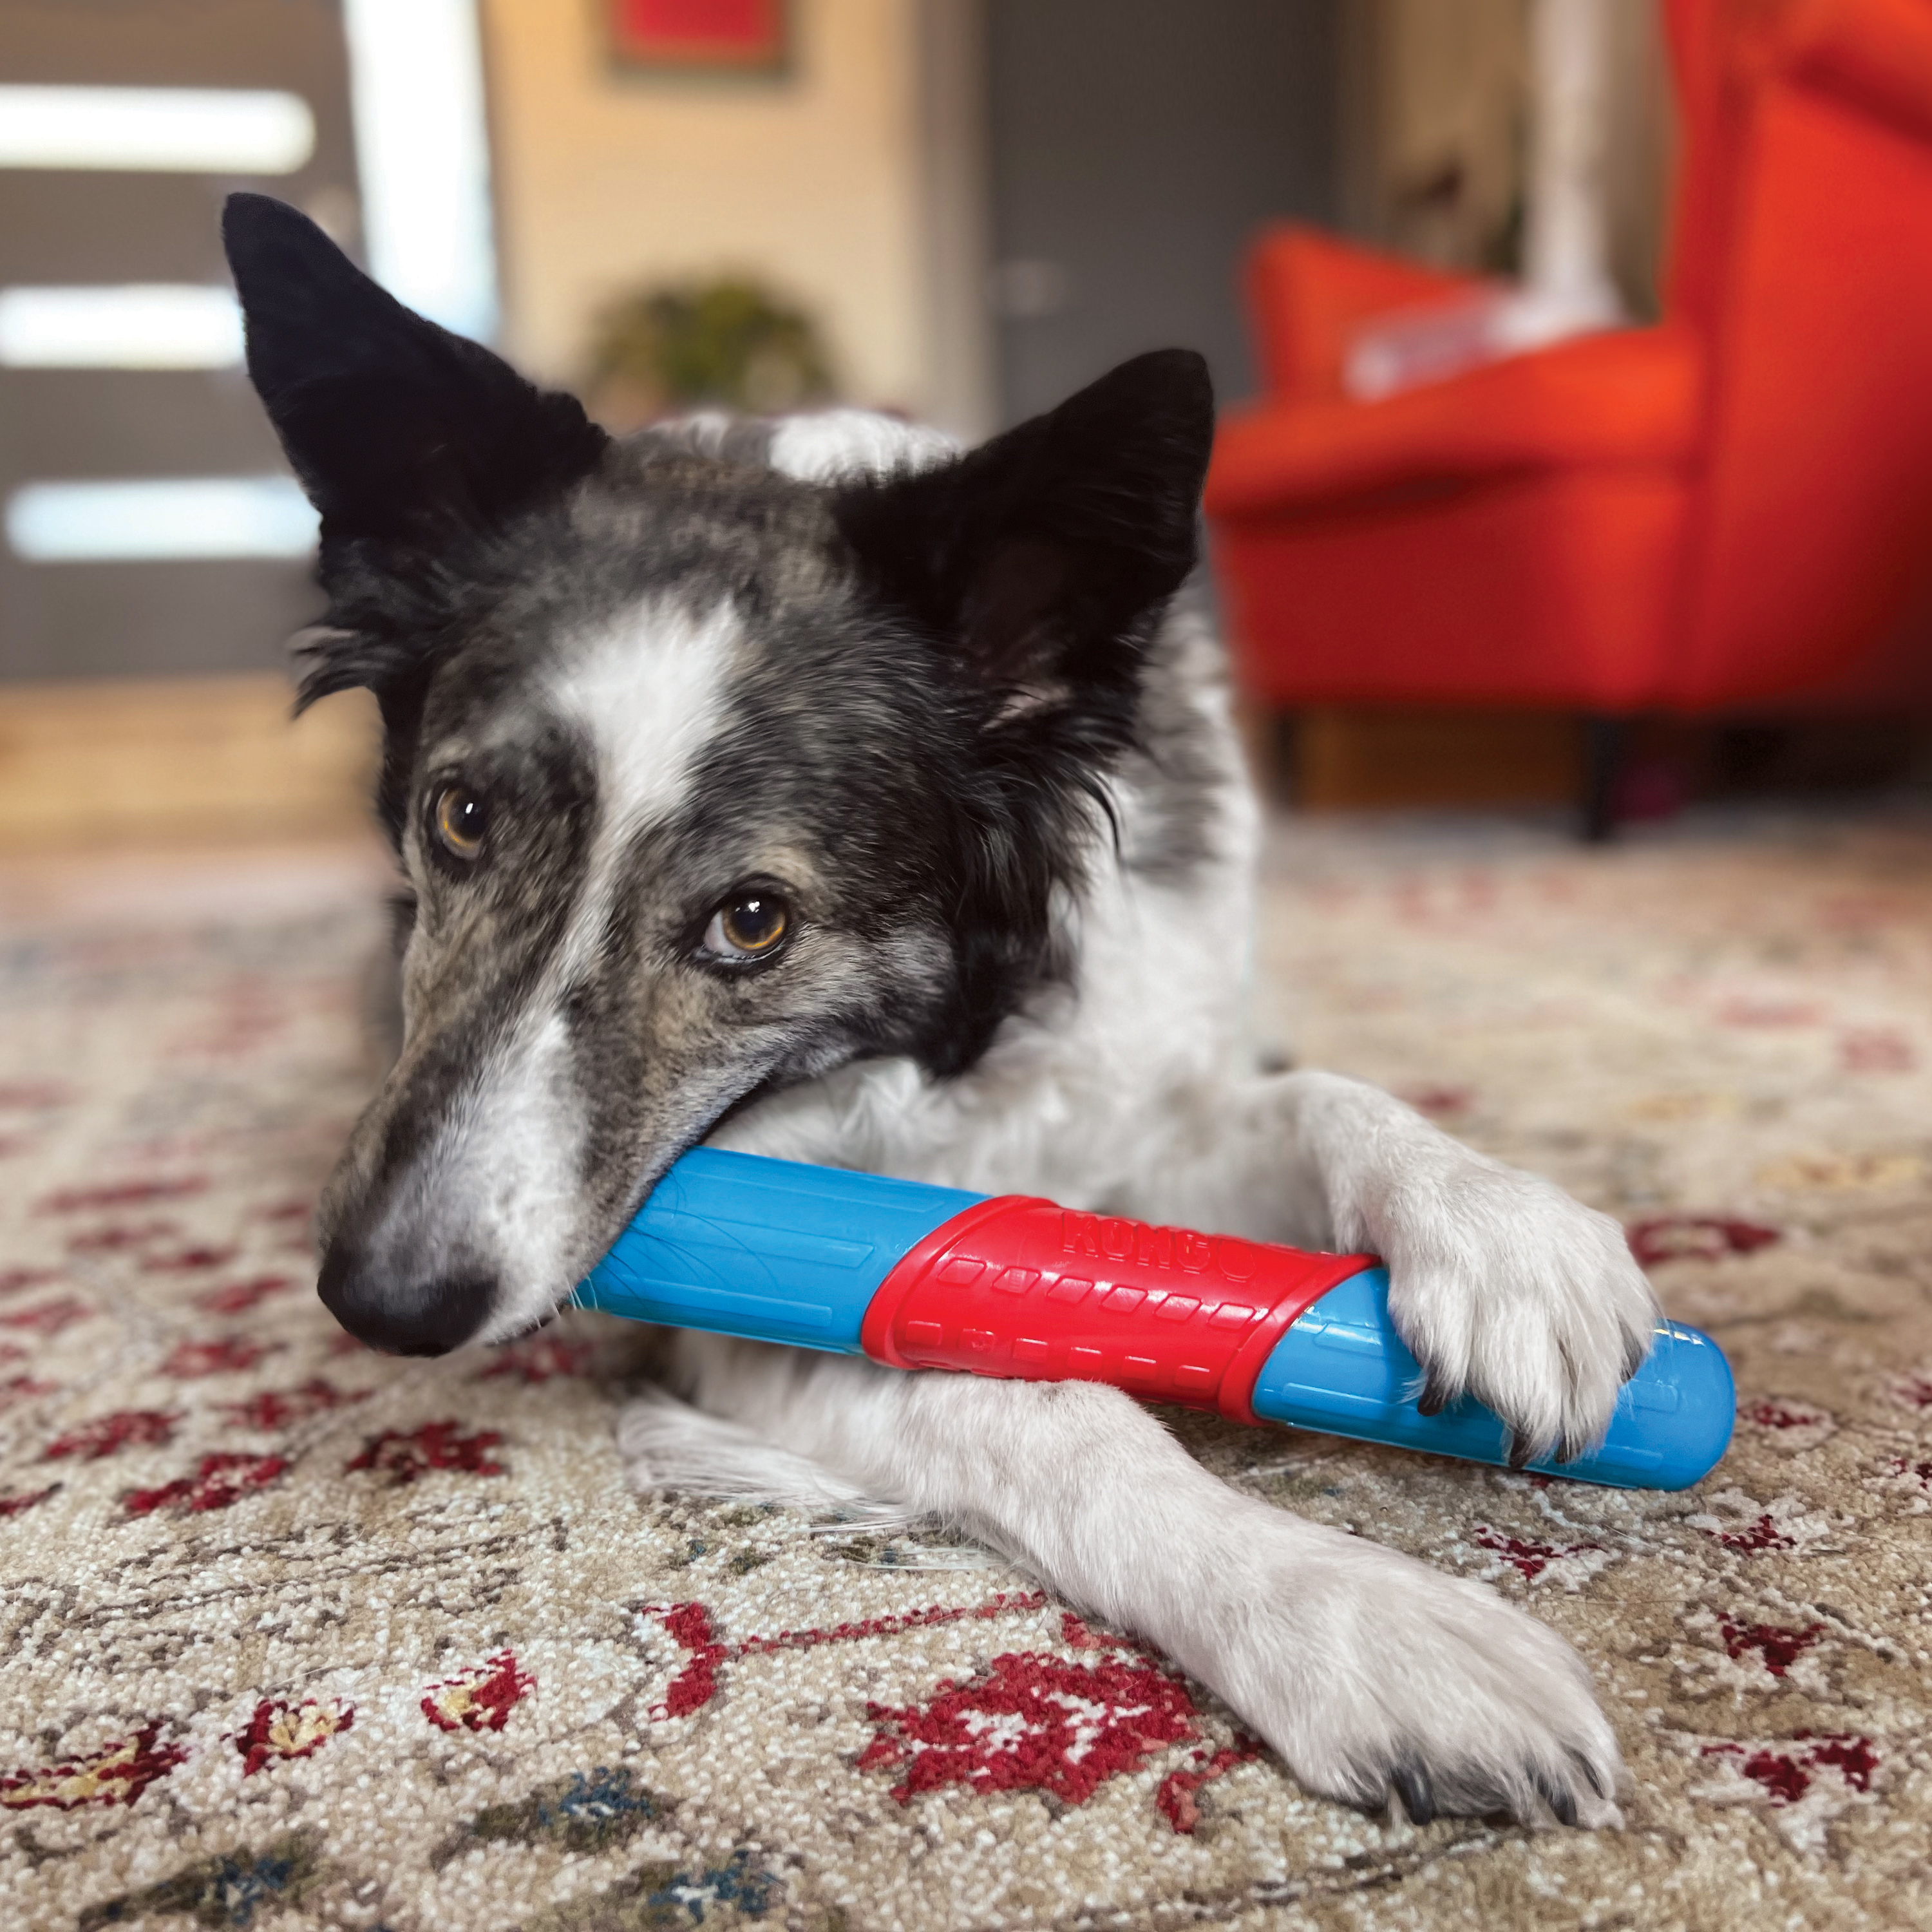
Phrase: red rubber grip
{"type": "Point", "coordinates": [1019, 1287]}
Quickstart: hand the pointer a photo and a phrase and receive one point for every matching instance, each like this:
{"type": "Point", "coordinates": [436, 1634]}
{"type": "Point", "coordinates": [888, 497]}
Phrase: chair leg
{"type": "Point", "coordinates": [1605, 741]}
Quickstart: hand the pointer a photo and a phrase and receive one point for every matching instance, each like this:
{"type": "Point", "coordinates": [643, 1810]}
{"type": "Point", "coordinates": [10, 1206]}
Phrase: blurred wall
{"type": "Point", "coordinates": [606, 179]}
{"type": "Point", "coordinates": [1137, 147]}
{"type": "Point", "coordinates": [1435, 124]}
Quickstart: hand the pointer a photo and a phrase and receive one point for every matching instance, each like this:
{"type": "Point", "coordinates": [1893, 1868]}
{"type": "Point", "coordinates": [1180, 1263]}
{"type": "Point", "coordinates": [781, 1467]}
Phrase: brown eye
{"type": "Point", "coordinates": [462, 818]}
{"type": "Point", "coordinates": [748, 925]}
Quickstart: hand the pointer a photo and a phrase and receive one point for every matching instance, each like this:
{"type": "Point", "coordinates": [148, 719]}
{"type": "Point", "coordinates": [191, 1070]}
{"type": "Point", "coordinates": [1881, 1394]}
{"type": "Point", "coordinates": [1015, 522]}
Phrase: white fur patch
{"type": "Point", "coordinates": [509, 1161]}
{"type": "Point", "coordinates": [832, 443]}
{"type": "Point", "coordinates": [649, 696]}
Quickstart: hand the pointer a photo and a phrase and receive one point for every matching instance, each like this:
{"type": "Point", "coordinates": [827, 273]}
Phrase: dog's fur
{"type": "Point", "coordinates": [956, 709]}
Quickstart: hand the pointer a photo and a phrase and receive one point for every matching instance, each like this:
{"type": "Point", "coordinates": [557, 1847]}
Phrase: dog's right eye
{"type": "Point", "coordinates": [462, 818]}
{"type": "Point", "coordinates": [751, 925]}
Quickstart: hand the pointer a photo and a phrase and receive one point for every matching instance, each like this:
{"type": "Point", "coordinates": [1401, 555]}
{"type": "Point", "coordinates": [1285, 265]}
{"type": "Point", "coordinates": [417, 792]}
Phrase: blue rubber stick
{"type": "Point", "coordinates": [918, 1277]}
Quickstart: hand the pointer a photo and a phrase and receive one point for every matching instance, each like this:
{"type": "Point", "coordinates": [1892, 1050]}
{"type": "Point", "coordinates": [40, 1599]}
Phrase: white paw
{"type": "Point", "coordinates": [1375, 1677]}
{"type": "Point", "coordinates": [1506, 1289]}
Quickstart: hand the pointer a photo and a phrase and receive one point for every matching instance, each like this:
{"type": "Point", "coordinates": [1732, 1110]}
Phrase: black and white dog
{"type": "Point", "coordinates": [815, 789]}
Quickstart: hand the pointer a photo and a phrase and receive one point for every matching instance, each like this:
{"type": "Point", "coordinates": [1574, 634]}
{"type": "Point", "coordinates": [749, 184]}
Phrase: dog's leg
{"type": "Point", "coordinates": [1369, 1673]}
{"type": "Point", "coordinates": [1502, 1284]}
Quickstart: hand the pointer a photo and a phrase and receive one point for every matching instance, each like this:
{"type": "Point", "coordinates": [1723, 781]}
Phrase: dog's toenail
{"type": "Point", "coordinates": [1417, 1795]}
{"type": "Point", "coordinates": [1590, 1774]}
{"type": "Point", "coordinates": [1558, 1797]}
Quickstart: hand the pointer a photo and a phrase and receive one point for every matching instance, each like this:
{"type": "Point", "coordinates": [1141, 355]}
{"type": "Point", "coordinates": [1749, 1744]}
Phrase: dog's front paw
{"type": "Point", "coordinates": [1507, 1289]}
{"type": "Point", "coordinates": [1375, 1677]}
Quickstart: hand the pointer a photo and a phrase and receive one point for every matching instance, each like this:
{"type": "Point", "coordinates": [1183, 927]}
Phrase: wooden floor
{"type": "Point", "coordinates": [177, 761]}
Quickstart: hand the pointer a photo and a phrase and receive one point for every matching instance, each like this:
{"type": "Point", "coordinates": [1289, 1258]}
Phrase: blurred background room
{"type": "Point", "coordinates": [1576, 451]}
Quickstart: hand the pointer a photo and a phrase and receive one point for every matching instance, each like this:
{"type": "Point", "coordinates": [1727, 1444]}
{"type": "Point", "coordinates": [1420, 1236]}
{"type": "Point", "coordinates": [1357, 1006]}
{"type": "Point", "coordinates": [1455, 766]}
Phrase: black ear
{"type": "Point", "coordinates": [397, 428]}
{"type": "Point", "coordinates": [1043, 555]}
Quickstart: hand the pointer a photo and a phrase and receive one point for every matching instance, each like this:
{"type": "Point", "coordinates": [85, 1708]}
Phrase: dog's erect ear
{"type": "Point", "coordinates": [397, 428]}
{"type": "Point", "coordinates": [1041, 554]}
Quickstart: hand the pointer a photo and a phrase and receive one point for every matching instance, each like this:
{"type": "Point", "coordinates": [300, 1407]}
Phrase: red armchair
{"type": "Point", "coordinates": [1731, 510]}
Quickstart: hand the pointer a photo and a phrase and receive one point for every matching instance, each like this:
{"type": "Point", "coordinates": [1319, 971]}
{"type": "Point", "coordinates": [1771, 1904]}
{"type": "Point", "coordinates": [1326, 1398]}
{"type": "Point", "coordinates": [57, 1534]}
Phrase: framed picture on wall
{"type": "Point", "coordinates": [699, 37]}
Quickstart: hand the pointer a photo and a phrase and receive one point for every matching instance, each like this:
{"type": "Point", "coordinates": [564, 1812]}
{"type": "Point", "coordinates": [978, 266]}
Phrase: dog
{"type": "Point", "coordinates": [816, 788]}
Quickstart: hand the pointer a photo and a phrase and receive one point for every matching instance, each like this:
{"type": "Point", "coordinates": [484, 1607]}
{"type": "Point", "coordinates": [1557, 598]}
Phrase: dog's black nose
{"type": "Point", "coordinates": [401, 1317]}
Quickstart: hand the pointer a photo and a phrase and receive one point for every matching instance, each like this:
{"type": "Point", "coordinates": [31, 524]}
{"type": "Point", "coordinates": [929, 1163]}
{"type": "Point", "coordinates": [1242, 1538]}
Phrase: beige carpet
{"type": "Point", "coordinates": [295, 1635]}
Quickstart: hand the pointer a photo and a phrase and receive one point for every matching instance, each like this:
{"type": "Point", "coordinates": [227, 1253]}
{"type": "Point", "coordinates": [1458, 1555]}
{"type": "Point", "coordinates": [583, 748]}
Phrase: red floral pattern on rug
{"type": "Point", "coordinates": [16, 1280]}
{"type": "Point", "coordinates": [479, 1698]}
{"type": "Point", "coordinates": [1698, 1237]}
{"type": "Point", "coordinates": [49, 1318]}
{"type": "Point", "coordinates": [280, 1730]}
{"type": "Point", "coordinates": [227, 1355]}
{"type": "Point", "coordinates": [122, 1194]}
{"type": "Point", "coordinates": [1528, 1559]}
{"type": "Point", "coordinates": [407, 1455]}
{"type": "Point", "coordinates": [1776, 1413]}
{"type": "Point", "coordinates": [697, 1680]}
{"type": "Point", "coordinates": [1178, 1798]}
{"type": "Point", "coordinates": [1756, 1010]}
{"type": "Point", "coordinates": [117, 1774]}
{"type": "Point", "coordinates": [34, 1096]}
{"type": "Point", "coordinates": [109, 1435]}
{"type": "Point", "coordinates": [282, 1409]}
{"type": "Point", "coordinates": [1877, 1050]}
{"type": "Point", "coordinates": [240, 1296]}
{"type": "Point", "coordinates": [189, 1260]}
{"type": "Point", "coordinates": [1032, 1722]}
{"type": "Point", "coordinates": [121, 1238]}
{"type": "Point", "coordinates": [220, 1482]}
{"type": "Point", "coordinates": [1029, 1721]}
{"type": "Point", "coordinates": [1761, 1533]}
{"type": "Point", "coordinates": [1786, 1775]}
{"type": "Point", "coordinates": [1778, 1648]}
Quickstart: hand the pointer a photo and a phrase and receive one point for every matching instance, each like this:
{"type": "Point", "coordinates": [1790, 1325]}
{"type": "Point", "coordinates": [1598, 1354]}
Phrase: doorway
{"type": "Point", "coordinates": [1136, 146]}
{"type": "Point", "coordinates": [99, 232]}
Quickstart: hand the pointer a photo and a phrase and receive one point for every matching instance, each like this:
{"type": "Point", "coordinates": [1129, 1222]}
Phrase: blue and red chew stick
{"type": "Point", "coordinates": [921, 1277]}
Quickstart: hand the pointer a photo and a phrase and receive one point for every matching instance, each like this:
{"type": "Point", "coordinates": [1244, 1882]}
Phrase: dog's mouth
{"type": "Point", "coordinates": [572, 1297]}
{"type": "Point", "coordinates": [483, 1276]}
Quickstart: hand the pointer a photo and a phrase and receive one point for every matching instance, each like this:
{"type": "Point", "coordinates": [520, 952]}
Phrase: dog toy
{"type": "Point", "coordinates": [922, 1277]}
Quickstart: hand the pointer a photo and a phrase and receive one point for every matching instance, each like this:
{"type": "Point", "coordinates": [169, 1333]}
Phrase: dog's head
{"type": "Point", "coordinates": [705, 781]}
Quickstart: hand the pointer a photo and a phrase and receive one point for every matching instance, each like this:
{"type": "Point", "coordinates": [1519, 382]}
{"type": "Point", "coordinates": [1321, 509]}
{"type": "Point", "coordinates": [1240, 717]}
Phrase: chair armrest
{"type": "Point", "coordinates": [1309, 293]}
{"type": "Point", "coordinates": [1878, 53]}
{"type": "Point", "coordinates": [1625, 397]}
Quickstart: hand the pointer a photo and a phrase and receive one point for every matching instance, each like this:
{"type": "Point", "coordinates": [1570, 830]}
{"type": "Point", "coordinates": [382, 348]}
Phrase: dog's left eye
{"type": "Point", "coordinates": [750, 924]}
{"type": "Point", "coordinates": [462, 818]}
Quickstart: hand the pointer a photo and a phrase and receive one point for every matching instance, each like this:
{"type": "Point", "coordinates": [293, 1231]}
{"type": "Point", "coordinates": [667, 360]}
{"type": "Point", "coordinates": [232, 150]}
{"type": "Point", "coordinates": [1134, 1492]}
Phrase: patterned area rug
{"type": "Point", "coordinates": [296, 1636]}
